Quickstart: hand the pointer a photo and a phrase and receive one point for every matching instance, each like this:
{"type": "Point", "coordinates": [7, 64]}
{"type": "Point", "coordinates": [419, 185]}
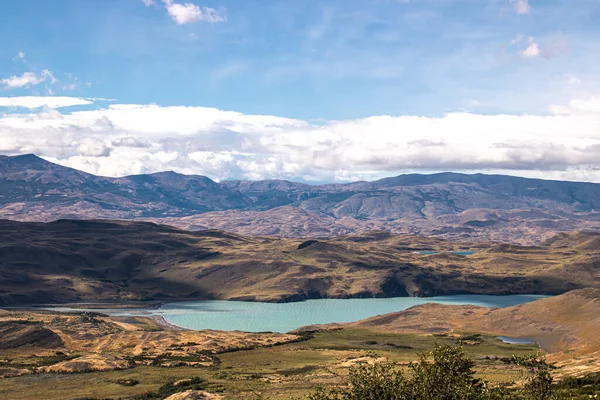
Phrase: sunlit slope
{"type": "Point", "coordinates": [120, 261]}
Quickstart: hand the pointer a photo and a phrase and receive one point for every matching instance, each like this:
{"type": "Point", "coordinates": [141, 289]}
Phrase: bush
{"type": "Point", "coordinates": [449, 376]}
{"type": "Point", "coordinates": [195, 383]}
{"type": "Point", "coordinates": [127, 382]}
{"type": "Point", "coordinates": [539, 382]}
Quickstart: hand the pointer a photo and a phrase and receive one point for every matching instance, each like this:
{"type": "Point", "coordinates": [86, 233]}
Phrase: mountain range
{"type": "Point", "coordinates": [449, 205]}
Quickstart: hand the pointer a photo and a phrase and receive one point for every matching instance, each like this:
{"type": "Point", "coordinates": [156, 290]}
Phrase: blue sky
{"type": "Point", "coordinates": [311, 59]}
{"type": "Point", "coordinates": [316, 62]}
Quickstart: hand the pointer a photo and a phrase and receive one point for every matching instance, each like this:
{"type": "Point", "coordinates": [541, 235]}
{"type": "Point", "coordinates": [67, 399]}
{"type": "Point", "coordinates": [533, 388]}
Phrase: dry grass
{"type": "Point", "coordinates": [271, 372]}
{"type": "Point", "coordinates": [94, 342]}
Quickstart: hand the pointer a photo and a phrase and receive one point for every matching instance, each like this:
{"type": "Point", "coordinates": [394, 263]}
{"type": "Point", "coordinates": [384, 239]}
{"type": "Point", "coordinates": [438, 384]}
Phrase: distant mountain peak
{"type": "Point", "coordinates": [28, 158]}
{"type": "Point", "coordinates": [167, 173]}
{"type": "Point", "coordinates": [26, 162]}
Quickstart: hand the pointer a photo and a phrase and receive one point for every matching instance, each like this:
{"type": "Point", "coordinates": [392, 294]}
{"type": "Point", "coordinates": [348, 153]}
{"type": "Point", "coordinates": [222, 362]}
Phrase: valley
{"type": "Point", "coordinates": [89, 355]}
{"type": "Point", "coordinates": [84, 354]}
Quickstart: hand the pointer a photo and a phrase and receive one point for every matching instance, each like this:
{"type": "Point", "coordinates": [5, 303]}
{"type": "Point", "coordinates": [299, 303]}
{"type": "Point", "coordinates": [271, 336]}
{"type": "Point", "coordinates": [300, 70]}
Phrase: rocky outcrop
{"type": "Point", "coordinates": [194, 395]}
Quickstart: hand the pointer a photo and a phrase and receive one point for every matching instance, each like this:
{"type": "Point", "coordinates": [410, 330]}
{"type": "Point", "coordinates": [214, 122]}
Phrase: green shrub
{"type": "Point", "coordinates": [444, 374]}
{"type": "Point", "coordinates": [195, 383]}
{"type": "Point", "coordinates": [539, 382]}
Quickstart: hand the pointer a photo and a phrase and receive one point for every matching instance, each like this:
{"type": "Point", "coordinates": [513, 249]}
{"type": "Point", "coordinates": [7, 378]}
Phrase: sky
{"type": "Point", "coordinates": [304, 90]}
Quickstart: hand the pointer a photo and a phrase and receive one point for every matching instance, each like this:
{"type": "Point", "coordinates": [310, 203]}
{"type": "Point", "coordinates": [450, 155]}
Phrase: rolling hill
{"type": "Point", "coordinates": [70, 260]}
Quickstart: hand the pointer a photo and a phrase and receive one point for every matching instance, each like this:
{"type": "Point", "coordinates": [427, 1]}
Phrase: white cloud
{"type": "Point", "coordinates": [69, 86]}
{"type": "Point", "coordinates": [531, 51]}
{"type": "Point", "coordinates": [27, 79]}
{"type": "Point", "coordinates": [521, 6]}
{"type": "Point", "coordinates": [128, 142]}
{"type": "Point", "coordinates": [125, 139]}
{"type": "Point", "coordinates": [187, 13]}
{"type": "Point", "coordinates": [42, 101]}
{"type": "Point", "coordinates": [528, 47]}
{"type": "Point", "coordinates": [148, 3]}
{"type": "Point", "coordinates": [21, 55]}
{"type": "Point", "coordinates": [590, 105]}
{"type": "Point", "coordinates": [92, 147]}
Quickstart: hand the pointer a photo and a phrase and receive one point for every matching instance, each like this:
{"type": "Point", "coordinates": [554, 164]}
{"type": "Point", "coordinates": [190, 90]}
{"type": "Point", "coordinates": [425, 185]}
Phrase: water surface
{"type": "Point", "coordinates": [512, 340]}
{"type": "Point", "coordinates": [260, 317]}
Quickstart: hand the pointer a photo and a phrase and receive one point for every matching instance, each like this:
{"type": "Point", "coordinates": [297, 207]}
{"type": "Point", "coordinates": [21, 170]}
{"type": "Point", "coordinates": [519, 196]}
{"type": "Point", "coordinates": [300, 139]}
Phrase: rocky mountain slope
{"type": "Point", "coordinates": [68, 261]}
{"type": "Point", "coordinates": [448, 205]}
{"type": "Point", "coordinates": [29, 184]}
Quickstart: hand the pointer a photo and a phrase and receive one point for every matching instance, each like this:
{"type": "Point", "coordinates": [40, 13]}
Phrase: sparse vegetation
{"type": "Point", "coordinates": [276, 372]}
{"type": "Point", "coordinates": [449, 375]}
{"type": "Point", "coordinates": [127, 382]}
{"type": "Point", "coordinates": [584, 387]}
{"type": "Point", "coordinates": [195, 383]}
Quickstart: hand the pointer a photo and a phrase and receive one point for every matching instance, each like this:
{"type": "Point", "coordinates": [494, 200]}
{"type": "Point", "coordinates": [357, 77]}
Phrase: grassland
{"type": "Point", "coordinates": [271, 373]}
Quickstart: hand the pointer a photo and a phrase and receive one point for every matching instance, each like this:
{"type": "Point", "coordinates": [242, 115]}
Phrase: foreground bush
{"type": "Point", "coordinates": [449, 376]}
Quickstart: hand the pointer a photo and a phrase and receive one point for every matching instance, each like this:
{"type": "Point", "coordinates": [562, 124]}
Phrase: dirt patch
{"type": "Point", "coordinates": [365, 360]}
{"type": "Point", "coordinates": [9, 372]}
{"type": "Point", "coordinates": [94, 362]}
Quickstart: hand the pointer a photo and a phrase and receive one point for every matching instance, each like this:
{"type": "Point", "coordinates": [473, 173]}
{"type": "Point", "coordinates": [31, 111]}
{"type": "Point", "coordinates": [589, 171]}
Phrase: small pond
{"type": "Point", "coordinates": [512, 340]}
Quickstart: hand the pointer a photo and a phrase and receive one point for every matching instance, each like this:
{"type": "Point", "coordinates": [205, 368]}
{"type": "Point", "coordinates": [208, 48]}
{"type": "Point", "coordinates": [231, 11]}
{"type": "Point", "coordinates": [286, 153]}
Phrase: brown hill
{"type": "Point", "coordinates": [83, 342]}
{"type": "Point", "coordinates": [568, 321]}
{"type": "Point", "coordinates": [27, 334]}
{"type": "Point", "coordinates": [69, 261]}
{"type": "Point", "coordinates": [567, 326]}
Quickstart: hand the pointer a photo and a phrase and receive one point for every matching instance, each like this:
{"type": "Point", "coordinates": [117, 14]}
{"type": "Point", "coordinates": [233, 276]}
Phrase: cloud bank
{"type": "Point", "coordinates": [131, 139]}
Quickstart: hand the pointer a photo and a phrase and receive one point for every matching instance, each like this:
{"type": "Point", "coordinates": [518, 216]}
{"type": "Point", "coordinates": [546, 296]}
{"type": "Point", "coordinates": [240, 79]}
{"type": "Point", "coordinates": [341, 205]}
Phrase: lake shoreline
{"type": "Point", "coordinates": [295, 298]}
{"type": "Point", "coordinates": [226, 315]}
{"type": "Point", "coordinates": [160, 320]}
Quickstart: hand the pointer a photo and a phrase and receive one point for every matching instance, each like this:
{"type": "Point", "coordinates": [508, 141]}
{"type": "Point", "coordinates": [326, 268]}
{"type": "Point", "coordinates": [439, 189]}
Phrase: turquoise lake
{"type": "Point", "coordinates": [285, 317]}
